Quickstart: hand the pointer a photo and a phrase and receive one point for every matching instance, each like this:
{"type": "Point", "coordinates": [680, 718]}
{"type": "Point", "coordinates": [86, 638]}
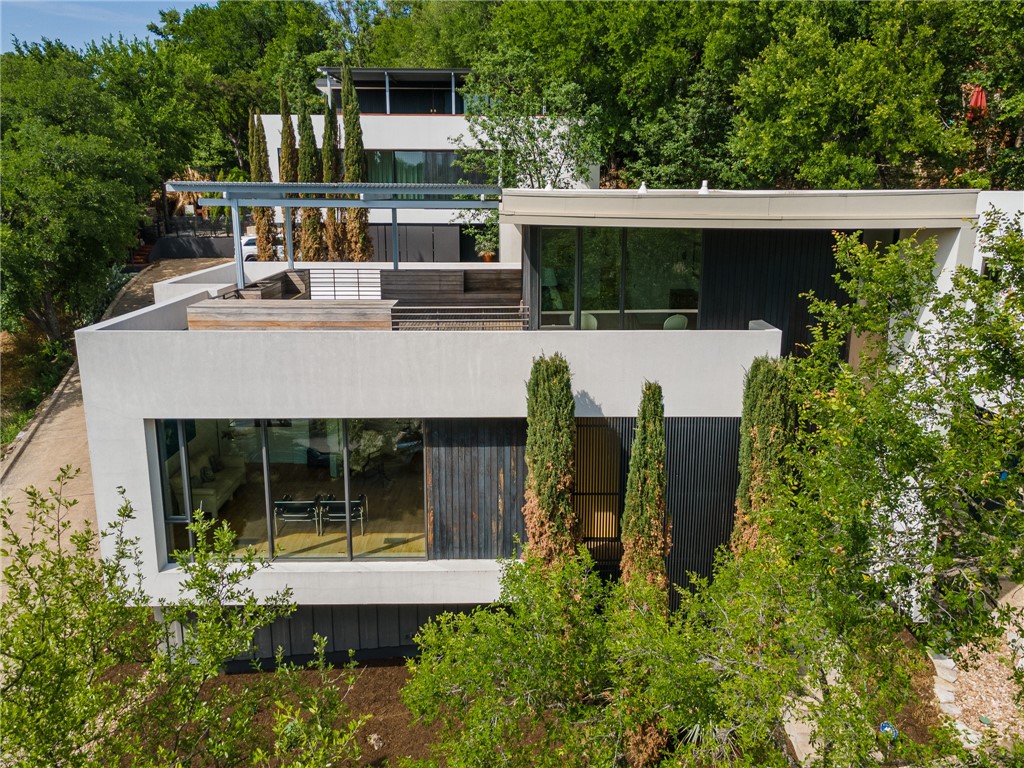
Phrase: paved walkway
{"type": "Point", "coordinates": [56, 435]}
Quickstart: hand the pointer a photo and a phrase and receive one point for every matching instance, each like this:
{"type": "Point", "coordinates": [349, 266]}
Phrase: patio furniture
{"type": "Point", "coordinates": [336, 512]}
{"type": "Point", "coordinates": [676, 323]}
{"type": "Point", "coordinates": [287, 511]}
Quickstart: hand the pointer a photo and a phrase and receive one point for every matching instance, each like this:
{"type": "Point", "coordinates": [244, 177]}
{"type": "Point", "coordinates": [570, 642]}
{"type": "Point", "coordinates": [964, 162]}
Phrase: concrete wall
{"type": "Point", "coordinates": [133, 373]}
{"type": "Point", "coordinates": [378, 374]}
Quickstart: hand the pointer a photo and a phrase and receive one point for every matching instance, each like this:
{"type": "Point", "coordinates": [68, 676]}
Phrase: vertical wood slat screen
{"type": "Point", "coordinates": [602, 461]}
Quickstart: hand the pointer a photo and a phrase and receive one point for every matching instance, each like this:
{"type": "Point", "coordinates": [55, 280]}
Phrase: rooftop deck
{"type": "Point", "coordinates": [369, 299]}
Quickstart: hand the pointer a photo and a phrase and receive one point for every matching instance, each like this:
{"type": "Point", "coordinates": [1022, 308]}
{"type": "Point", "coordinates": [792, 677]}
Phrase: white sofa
{"type": "Point", "coordinates": [214, 479]}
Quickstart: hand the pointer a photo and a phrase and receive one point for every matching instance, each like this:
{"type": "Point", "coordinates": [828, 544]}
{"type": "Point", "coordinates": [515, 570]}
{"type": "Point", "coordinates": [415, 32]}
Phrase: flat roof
{"type": "Point", "coordinates": [750, 209]}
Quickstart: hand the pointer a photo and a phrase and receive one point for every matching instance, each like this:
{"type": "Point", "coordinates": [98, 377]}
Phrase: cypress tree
{"type": "Point", "coordinates": [768, 425]}
{"type": "Point", "coordinates": [311, 236]}
{"type": "Point", "coordinates": [251, 137]}
{"type": "Point", "coordinates": [358, 246]}
{"type": "Point", "coordinates": [550, 450]}
{"type": "Point", "coordinates": [645, 532]}
{"type": "Point", "coordinates": [259, 170]}
{"type": "Point", "coordinates": [334, 227]}
{"type": "Point", "coordinates": [288, 162]}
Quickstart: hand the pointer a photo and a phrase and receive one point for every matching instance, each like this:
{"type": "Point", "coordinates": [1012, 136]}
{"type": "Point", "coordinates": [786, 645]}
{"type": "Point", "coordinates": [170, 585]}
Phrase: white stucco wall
{"type": "Point", "coordinates": [134, 373]}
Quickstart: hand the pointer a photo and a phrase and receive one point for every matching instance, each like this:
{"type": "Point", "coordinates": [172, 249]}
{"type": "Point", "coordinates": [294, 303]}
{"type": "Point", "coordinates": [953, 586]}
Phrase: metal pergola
{"type": "Point", "coordinates": [243, 194]}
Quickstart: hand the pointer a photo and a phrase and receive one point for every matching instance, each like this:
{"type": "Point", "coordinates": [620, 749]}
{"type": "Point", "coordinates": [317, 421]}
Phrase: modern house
{"type": "Point", "coordinates": [363, 425]}
{"type": "Point", "coordinates": [411, 120]}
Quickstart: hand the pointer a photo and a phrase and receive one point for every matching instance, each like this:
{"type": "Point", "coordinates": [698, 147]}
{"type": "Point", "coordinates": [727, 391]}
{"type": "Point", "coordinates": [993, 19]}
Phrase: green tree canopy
{"type": "Point", "coordinates": [75, 171]}
{"type": "Point", "coordinates": [525, 129]}
{"type": "Point", "coordinates": [89, 678]}
{"type": "Point", "coordinates": [246, 49]}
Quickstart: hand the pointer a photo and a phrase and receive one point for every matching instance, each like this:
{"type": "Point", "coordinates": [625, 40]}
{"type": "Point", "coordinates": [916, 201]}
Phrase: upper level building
{"type": "Point", "coordinates": [363, 426]}
{"type": "Point", "coordinates": [412, 121]}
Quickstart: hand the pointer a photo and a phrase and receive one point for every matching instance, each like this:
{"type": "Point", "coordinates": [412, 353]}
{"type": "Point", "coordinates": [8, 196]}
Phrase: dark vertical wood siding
{"type": "Point", "coordinates": [702, 469]}
{"type": "Point", "coordinates": [476, 484]}
{"type": "Point", "coordinates": [702, 474]}
{"type": "Point", "coordinates": [752, 274]}
{"type": "Point", "coordinates": [372, 631]}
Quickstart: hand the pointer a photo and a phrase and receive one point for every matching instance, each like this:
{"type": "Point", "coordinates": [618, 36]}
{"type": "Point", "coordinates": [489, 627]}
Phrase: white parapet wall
{"type": "Point", "coordinates": [145, 366]}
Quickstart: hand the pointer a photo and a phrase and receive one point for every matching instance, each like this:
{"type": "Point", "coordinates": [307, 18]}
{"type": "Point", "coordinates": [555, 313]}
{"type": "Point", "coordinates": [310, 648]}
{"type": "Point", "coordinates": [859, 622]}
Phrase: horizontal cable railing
{"type": "Point", "coordinates": [460, 318]}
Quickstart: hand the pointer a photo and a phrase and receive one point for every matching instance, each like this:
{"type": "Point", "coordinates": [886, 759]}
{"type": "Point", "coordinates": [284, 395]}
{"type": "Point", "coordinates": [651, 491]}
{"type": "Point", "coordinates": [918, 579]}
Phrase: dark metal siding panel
{"type": "Point", "coordinates": [372, 631]}
{"type": "Point", "coordinates": [761, 274]}
{"type": "Point", "coordinates": [475, 486]}
{"type": "Point", "coordinates": [323, 624]}
{"type": "Point", "coordinates": [346, 627]}
{"type": "Point", "coordinates": [702, 469]}
{"type": "Point", "coordinates": [416, 242]}
{"type": "Point", "coordinates": [300, 629]}
{"type": "Point", "coordinates": [389, 634]}
{"type": "Point", "coordinates": [408, 624]}
{"type": "Point", "coordinates": [368, 626]}
{"type": "Point", "coordinates": [446, 242]}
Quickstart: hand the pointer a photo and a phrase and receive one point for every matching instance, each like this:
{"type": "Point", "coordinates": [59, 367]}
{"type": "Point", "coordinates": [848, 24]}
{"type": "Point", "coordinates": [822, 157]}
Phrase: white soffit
{"type": "Point", "coordinates": [905, 209]}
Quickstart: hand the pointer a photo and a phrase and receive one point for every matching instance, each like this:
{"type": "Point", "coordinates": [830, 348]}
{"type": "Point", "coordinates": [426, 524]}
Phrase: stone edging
{"type": "Point", "coordinates": [945, 678]}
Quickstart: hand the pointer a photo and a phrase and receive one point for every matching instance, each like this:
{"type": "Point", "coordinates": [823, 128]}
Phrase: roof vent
{"type": "Point", "coordinates": [643, 188]}
{"type": "Point", "coordinates": [703, 188]}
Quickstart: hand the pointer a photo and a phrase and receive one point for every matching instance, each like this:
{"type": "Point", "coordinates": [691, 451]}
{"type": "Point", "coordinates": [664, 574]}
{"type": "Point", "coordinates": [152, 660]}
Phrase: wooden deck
{"type": "Point", "coordinates": [287, 314]}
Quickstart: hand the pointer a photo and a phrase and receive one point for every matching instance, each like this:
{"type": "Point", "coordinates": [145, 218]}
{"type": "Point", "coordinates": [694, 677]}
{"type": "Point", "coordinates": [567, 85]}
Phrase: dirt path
{"type": "Point", "coordinates": [56, 435]}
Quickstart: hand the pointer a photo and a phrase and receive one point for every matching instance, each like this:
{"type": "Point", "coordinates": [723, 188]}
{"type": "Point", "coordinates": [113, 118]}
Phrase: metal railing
{"type": "Point", "coordinates": [460, 318]}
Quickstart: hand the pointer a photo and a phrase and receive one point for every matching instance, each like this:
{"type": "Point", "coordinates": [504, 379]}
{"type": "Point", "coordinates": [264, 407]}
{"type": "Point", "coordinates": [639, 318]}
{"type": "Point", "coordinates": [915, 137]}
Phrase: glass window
{"type": "Point", "coordinates": [440, 168]}
{"type": "Point", "coordinates": [636, 279]}
{"type": "Point", "coordinates": [380, 166]}
{"type": "Point", "coordinates": [663, 268]}
{"type": "Point", "coordinates": [409, 167]}
{"type": "Point", "coordinates": [226, 475]}
{"type": "Point", "coordinates": [557, 277]}
{"type": "Point", "coordinates": [307, 472]}
{"type": "Point", "coordinates": [385, 459]}
{"type": "Point", "coordinates": [176, 512]}
{"type": "Point", "coordinates": [298, 508]}
{"type": "Point", "coordinates": [602, 278]}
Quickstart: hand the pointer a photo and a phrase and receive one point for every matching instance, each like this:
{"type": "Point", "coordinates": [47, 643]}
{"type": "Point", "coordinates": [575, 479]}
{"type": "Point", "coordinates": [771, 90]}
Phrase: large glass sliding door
{"type": "Point", "coordinates": [307, 473]}
{"type": "Point", "coordinates": [557, 277]}
{"type": "Point", "coordinates": [298, 488]}
{"type": "Point", "coordinates": [386, 471]}
{"type": "Point", "coordinates": [601, 279]}
{"type": "Point", "coordinates": [662, 278]}
{"type": "Point", "coordinates": [633, 279]}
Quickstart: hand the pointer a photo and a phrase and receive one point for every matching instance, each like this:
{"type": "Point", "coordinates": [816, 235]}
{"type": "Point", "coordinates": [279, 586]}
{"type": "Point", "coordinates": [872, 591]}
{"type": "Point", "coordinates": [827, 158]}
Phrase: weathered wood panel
{"type": "Point", "coordinates": [476, 481]}
{"type": "Point", "coordinates": [452, 287]}
{"type": "Point", "coordinates": [231, 315]}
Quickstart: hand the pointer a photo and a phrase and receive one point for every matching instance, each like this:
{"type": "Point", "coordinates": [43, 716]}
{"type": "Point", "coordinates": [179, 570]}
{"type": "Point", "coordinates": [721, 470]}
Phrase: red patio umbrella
{"type": "Point", "coordinates": [978, 108]}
